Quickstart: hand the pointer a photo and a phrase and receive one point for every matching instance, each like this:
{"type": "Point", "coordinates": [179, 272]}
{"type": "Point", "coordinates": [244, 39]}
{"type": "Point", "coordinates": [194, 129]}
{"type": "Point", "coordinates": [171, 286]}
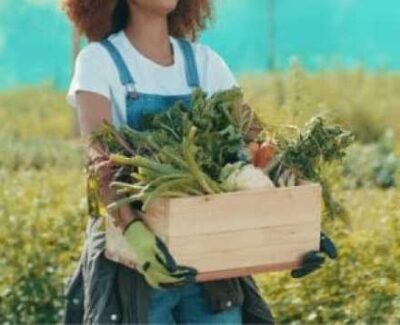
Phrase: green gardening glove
{"type": "Point", "coordinates": [154, 261]}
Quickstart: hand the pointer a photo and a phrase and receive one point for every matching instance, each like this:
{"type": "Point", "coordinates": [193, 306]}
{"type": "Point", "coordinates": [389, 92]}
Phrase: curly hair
{"type": "Point", "coordinates": [97, 19]}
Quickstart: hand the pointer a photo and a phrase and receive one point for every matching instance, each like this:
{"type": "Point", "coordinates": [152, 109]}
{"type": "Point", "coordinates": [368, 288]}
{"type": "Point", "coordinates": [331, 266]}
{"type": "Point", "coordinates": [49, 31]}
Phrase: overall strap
{"type": "Point", "coordinates": [192, 75]}
{"type": "Point", "coordinates": [124, 74]}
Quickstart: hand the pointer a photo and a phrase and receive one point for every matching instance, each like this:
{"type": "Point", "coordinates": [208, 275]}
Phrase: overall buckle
{"type": "Point", "coordinates": [131, 91]}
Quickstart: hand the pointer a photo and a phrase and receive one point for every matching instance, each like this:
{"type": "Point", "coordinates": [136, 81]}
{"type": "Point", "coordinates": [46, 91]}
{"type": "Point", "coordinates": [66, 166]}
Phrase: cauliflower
{"type": "Point", "coordinates": [247, 177]}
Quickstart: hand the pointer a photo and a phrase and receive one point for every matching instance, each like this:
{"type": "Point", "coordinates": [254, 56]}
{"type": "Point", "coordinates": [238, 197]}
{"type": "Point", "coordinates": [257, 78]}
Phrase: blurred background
{"type": "Point", "coordinates": [295, 59]}
{"type": "Point", "coordinates": [36, 40]}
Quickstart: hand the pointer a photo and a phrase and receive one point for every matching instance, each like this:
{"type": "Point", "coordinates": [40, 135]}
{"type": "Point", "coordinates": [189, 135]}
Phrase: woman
{"type": "Point", "coordinates": [140, 61]}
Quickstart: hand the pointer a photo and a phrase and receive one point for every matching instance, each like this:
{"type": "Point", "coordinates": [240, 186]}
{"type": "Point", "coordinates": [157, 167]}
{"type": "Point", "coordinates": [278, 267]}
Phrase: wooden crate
{"type": "Point", "coordinates": [232, 234]}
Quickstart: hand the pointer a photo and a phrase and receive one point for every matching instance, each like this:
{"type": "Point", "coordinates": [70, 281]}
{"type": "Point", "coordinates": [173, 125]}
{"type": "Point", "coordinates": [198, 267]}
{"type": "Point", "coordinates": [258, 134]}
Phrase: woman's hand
{"type": "Point", "coordinates": [103, 170]}
{"type": "Point", "coordinates": [313, 260]}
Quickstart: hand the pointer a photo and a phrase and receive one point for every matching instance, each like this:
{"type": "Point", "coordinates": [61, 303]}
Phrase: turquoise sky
{"type": "Point", "coordinates": [35, 36]}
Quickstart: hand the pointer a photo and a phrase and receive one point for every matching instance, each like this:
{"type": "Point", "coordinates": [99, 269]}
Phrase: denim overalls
{"type": "Point", "coordinates": [185, 304]}
{"type": "Point", "coordinates": [138, 104]}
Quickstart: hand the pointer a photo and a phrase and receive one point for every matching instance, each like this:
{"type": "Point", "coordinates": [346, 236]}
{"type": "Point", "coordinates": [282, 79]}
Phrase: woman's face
{"type": "Point", "coordinates": [162, 7]}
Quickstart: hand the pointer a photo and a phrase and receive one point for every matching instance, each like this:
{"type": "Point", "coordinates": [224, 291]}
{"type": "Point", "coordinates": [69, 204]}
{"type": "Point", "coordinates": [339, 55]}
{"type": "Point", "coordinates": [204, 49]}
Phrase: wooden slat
{"type": "Point", "coordinates": [252, 238]}
{"type": "Point", "coordinates": [244, 258]}
{"type": "Point", "coordinates": [244, 210]}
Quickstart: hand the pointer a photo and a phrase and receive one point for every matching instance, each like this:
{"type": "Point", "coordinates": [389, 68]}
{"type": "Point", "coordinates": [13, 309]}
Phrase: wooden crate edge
{"type": "Point", "coordinates": [223, 274]}
{"type": "Point", "coordinates": [305, 186]}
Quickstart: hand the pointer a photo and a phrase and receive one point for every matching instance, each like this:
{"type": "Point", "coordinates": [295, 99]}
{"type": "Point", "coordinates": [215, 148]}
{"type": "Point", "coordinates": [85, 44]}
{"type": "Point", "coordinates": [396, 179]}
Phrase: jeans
{"type": "Point", "coordinates": [187, 305]}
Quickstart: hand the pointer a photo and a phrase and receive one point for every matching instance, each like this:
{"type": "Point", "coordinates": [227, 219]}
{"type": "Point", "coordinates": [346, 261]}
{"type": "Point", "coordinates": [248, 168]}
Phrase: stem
{"type": "Point", "coordinates": [189, 151]}
{"type": "Point", "coordinates": [139, 161]}
{"type": "Point", "coordinates": [120, 140]}
{"type": "Point", "coordinates": [164, 178]}
{"type": "Point", "coordinates": [128, 186]}
{"type": "Point", "coordinates": [174, 157]}
{"type": "Point", "coordinates": [117, 204]}
{"type": "Point", "coordinates": [194, 168]}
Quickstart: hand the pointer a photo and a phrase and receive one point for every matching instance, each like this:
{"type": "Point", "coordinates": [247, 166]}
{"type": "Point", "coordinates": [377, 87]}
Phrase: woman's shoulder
{"type": "Point", "coordinates": [93, 51]}
{"type": "Point", "coordinates": [93, 71]}
{"type": "Point", "coordinates": [93, 58]}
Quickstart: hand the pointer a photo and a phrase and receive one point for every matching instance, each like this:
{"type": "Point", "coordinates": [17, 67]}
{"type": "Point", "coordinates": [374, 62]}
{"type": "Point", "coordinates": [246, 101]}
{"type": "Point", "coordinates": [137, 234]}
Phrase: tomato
{"type": "Point", "coordinates": [264, 155]}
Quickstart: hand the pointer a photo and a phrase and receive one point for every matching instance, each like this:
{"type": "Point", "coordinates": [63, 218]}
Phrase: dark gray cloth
{"type": "Point", "coordinates": [104, 292]}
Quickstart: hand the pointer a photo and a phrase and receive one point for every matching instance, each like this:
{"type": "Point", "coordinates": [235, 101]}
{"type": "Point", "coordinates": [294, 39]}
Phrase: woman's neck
{"type": "Point", "coordinates": [149, 35]}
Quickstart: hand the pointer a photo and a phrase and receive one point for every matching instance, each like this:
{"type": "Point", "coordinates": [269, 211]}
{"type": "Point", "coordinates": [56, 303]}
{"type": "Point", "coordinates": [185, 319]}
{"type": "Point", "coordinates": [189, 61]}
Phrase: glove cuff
{"type": "Point", "coordinates": [136, 219]}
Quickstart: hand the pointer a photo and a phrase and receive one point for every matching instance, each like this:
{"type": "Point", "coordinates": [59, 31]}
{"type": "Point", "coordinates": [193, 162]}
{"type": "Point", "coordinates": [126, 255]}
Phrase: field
{"type": "Point", "coordinates": [42, 204]}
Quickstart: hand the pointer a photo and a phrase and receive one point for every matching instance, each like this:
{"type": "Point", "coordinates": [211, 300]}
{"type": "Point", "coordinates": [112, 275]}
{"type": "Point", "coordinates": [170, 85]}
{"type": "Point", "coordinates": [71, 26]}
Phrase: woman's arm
{"type": "Point", "coordinates": [93, 110]}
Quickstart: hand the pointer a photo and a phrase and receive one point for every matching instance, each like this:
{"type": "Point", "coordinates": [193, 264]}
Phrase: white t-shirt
{"type": "Point", "coordinates": [95, 71]}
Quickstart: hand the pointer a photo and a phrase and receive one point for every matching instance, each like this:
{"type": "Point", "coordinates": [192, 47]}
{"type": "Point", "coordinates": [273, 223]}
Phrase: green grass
{"type": "Point", "coordinates": [42, 216]}
{"type": "Point", "coordinates": [42, 204]}
{"type": "Point", "coordinates": [362, 286]}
